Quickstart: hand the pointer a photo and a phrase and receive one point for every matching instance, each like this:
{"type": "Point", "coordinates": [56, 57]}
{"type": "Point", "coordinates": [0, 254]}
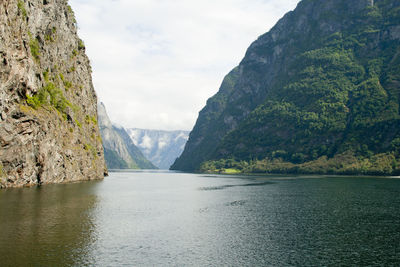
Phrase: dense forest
{"type": "Point", "coordinates": [319, 93]}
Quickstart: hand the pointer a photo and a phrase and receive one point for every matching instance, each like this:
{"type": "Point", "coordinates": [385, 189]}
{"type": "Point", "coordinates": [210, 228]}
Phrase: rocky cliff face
{"type": "Point", "coordinates": [318, 93]}
{"type": "Point", "coordinates": [120, 151]}
{"type": "Point", "coordinates": [48, 107]}
{"type": "Point", "coordinates": [160, 147]}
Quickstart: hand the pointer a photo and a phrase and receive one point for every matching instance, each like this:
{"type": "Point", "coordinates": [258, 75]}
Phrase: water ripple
{"type": "Point", "coordinates": [221, 187]}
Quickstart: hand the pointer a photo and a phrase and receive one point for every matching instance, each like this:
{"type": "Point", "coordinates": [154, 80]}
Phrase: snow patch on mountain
{"type": "Point", "coordinates": [160, 147]}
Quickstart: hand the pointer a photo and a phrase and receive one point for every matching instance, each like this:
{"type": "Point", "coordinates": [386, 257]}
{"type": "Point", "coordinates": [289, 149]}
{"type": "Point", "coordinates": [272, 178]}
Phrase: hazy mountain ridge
{"type": "Point", "coordinates": [319, 93]}
{"type": "Point", "coordinates": [120, 152]}
{"type": "Point", "coordinates": [160, 147]}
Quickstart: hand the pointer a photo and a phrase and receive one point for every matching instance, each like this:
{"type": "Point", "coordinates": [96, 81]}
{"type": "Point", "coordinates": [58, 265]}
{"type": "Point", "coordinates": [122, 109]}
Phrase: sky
{"type": "Point", "coordinates": [156, 62]}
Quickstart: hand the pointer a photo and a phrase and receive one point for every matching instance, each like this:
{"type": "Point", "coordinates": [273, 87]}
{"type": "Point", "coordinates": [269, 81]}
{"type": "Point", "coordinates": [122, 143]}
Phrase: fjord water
{"type": "Point", "coordinates": [166, 218]}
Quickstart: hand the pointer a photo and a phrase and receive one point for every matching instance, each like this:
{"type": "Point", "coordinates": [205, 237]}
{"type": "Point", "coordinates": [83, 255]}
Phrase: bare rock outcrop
{"type": "Point", "coordinates": [48, 106]}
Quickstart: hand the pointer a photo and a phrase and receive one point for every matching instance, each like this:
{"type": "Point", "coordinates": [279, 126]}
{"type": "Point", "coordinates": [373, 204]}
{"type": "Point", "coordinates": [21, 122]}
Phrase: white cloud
{"type": "Point", "coordinates": [156, 62]}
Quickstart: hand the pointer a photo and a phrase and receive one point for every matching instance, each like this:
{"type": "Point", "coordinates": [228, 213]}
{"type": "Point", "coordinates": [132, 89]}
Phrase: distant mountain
{"type": "Point", "coordinates": [160, 147]}
{"type": "Point", "coordinates": [119, 150]}
{"type": "Point", "coordinates": [319, 93]}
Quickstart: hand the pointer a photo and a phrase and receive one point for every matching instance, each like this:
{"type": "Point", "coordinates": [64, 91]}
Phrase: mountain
{"type": "Point", "coordinates": [48, 106]}
{"type": "Point", "coordinates": [119, 150]}
{"type": "Point", "coordinates": [318, 93]}
{"type": "Point", "coordinates": [160, 147]}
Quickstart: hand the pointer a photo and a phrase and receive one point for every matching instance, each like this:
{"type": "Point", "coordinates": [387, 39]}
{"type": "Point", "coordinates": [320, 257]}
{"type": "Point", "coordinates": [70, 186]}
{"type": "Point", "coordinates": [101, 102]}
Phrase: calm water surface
{"type": "Point", "coordinates": [176, 219]}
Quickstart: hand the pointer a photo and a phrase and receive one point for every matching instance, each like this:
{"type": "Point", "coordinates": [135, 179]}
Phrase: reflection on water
{"type": "Point", "coordinates": [165, 218]}
{"type": "Point", "coordinates": [221, 187]}
{"type": "Point", "coordinates": [47, 226]}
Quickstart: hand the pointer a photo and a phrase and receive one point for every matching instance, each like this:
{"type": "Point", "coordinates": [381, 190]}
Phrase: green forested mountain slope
{"type": "Point", "coordinates": [318, 93]}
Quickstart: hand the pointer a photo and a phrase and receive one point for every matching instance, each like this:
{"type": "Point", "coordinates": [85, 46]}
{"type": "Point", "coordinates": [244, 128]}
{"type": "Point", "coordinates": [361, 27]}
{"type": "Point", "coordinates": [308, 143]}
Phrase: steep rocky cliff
{"type": "Point", "coordinates": [48, 107]}
{"type": "Point", "coordinates": [119, 150]}
{"type": "Point", "coordinates": [318, 93]}
{"type": "Point", "coordinates": [160, 147]}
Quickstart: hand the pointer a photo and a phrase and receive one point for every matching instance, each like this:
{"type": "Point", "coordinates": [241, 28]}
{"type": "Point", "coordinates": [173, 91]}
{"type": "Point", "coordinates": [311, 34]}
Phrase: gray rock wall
{"type": "Point", "coordinates": [48, 111]}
